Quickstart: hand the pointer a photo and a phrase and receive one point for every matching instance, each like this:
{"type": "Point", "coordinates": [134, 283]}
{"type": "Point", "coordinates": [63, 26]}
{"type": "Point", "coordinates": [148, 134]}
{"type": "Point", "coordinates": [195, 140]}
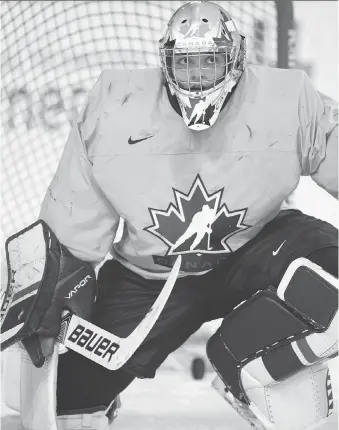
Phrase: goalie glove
{"type": "Point", "coordinates": [44, 280]}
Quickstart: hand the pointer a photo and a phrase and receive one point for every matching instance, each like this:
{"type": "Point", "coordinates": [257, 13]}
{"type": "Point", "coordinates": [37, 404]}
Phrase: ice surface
{"type": "Point", "coordinates": [174, 401]}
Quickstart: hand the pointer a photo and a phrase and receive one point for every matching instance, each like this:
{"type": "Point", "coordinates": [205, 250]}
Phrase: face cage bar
{"type": "Point", "coordinates": [168, 56]}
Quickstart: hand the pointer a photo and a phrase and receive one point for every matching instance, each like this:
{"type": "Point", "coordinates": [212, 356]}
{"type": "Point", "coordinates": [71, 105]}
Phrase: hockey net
{"type": "Point", "coordinates": [52, 53]}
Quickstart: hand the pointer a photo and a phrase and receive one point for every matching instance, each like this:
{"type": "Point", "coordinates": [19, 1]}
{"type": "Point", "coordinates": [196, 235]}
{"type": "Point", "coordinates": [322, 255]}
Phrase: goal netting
{"type": "Point", "coordinates": [52, 52]}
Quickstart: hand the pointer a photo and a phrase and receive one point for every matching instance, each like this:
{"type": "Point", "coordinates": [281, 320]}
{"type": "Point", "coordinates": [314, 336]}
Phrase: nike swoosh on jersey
{"type": "Point", "coordinates": [277, 250]}
{"type": "Point", "coordinates": [133, 142]}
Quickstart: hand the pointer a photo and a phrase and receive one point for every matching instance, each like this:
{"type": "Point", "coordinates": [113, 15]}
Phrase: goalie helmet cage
{"type": "Point", "coordinates": [52, 52]}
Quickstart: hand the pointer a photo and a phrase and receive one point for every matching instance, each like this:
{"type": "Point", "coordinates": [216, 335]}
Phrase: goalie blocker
{"type": "Point", "coordinates": [44, 279]}
{"type": "Point", "coordinates": [270, 352]}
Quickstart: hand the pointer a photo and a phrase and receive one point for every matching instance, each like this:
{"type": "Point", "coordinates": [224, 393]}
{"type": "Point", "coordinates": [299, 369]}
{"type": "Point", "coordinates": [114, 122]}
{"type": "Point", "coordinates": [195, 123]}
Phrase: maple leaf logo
{"type": "Point", "coordinates": [197, 224]}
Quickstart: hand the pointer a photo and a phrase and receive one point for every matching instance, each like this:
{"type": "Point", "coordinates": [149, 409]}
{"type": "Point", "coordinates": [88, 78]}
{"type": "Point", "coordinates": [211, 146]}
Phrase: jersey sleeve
{"type": "Point", "coordinates": [318, 116]}
{"type": "Point", "coordinates": [74, 206]}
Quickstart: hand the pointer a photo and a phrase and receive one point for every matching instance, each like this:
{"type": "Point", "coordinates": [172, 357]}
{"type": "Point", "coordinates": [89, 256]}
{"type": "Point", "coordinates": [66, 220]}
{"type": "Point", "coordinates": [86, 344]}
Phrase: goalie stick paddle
{"type": "Point", "coordinates": [105, 348]}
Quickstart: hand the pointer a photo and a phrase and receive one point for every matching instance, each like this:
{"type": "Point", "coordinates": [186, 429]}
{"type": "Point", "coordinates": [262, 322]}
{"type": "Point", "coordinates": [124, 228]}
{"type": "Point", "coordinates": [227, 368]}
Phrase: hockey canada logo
{"type": "Point", "coordinates": [197, 226]}
{"type": "Point", "coordinates": [197, 113]}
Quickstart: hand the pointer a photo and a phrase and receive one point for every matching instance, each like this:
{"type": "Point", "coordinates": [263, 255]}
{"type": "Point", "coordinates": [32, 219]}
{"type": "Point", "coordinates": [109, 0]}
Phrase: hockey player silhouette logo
{"type": "Point", "coordinates": [198, 29]}
{"type": "Point", "coordinates": [197, 226]}
{"type": "Point", "coordinates": [196, 111]}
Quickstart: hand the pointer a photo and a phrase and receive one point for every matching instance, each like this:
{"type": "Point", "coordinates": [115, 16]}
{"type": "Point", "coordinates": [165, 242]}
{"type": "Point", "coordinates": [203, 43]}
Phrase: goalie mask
{"type": "Point", "coordinates": [202, 57]}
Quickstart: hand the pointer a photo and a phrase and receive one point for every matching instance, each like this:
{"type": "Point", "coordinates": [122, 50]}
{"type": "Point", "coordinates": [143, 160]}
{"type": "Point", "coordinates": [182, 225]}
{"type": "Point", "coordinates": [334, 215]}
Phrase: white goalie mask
{"type": "Point", "coordinates": [202, 57]}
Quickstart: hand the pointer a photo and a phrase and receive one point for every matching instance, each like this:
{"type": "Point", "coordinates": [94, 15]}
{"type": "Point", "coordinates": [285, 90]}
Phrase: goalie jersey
{"type": "Point", "coordinates": [201, 194]}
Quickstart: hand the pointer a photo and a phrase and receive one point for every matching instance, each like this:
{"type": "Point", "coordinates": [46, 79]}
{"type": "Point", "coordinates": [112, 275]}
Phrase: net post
{"type": "Point", "coordinates": [286, 34]}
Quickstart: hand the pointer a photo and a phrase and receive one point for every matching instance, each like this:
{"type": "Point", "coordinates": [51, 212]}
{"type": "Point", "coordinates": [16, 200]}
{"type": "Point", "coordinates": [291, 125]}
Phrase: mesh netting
{"type": "Point", "coordinates": [52, 53]}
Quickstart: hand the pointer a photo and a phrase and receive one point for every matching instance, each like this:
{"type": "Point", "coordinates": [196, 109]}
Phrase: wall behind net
{"type": "Point", "coordinates": [52, 52]}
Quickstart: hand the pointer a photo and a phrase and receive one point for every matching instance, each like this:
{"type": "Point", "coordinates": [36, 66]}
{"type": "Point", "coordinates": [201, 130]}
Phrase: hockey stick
{"type": "Point", "coordinates": [27, 253]}
{"type": "Point", "coordinates": [105, 348]}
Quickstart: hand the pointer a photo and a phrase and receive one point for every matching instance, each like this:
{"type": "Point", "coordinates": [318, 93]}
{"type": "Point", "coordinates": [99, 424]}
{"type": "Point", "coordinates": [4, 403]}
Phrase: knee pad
{"type": "Point", "coordinates": [102, 420]}
{"type": "Point", "coordinates": [94, 421]}
{"type": "Point", "coordinates": [87, 419]}
{"type": "Point", "coordinates": [270, 352]}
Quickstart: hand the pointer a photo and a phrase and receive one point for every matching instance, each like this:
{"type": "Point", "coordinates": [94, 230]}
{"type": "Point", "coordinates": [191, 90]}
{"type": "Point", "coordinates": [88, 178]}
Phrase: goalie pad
{"type": "Point", "coordinates": [44, 279]}
{"type": "Point", "coordinates": [270, 351]}
{"type": "Point", "coordinates": [38, 400]}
